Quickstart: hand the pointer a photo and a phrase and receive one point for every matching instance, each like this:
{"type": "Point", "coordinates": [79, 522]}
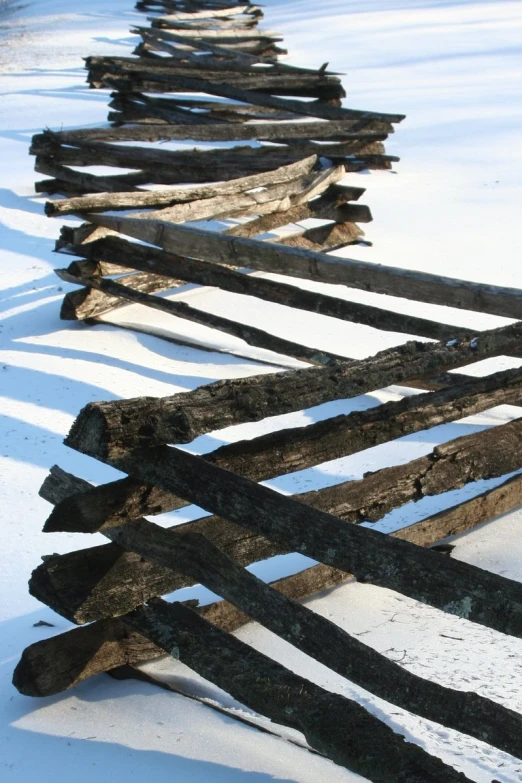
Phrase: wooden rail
{"type": "Point", "coordinates": [278, 175]}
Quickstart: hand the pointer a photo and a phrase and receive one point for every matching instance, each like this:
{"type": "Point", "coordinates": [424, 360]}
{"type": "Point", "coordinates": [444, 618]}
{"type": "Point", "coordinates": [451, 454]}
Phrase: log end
{"type": "Point", "coordinates": [90, 431]}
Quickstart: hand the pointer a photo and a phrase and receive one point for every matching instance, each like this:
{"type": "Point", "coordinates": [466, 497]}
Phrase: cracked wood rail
{"type": "Point", "coordinates": [318, 266]}
{"type": "Point", "coordinates": [195, 555]}
{"type": "Point", "coordinates": [149, 259]}
{"type": "Point", "coordinates": [104, 428]}
{"type": "Point", "coordinates": [60, 662]}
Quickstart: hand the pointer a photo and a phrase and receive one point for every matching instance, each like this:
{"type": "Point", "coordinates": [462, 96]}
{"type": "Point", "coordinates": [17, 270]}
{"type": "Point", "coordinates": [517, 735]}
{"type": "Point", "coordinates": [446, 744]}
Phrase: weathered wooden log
{"type": "Point", "coordinates": [250, 334]}
{"type": "Point", "coordinates": [83, 181]}
{"type": "Point", "coordinates": [340, 130]}
{"type": "Point", "coordinates": [183, 417]}
{"type": "Point", "coordinates": [103, 581]}
{"type": "Point", "coordinates": [326, 237]}
{"type": "Point", "coordinates": [193, 165]}
{"type": "Point", "coordinates": [91, 302]}
{"type": "Point", "coordinates": [322, 639]}
{"type": "Point", "coordinates": [220, 109]}
{"type": "Point", "coordinates": [316, 266]}
{"type": "Point", "coordinates": [163, 198]}
{"type": "Point", "coordinates": [452, 586]}
{"type": "Point", "coordinates": [155, 80]}
{"type": "Point", "coordinates": [334, 725]}
{"type": "Point", "coordinates": [149, 259]}
{"type": "Point", "coordinates": [273, 78]}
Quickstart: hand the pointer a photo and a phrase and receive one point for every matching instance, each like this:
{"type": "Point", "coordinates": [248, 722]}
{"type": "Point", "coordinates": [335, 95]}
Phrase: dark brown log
{"type": "Point", "coordinates": [90, 302]}
{"type": "Point", "coordinates": [173, 72]}
{"type": "Point", "coordinates": [183, 417]}
{"type": "Point", "coordinates": [103, 581]}
{"type": "Point", "coordinates": [321, 639]}
{"type": "Point", "coordinates": [334, 725]}
{"type": "Point", "coordinates": [316, 266]}
{"type": "Point", "coordinates": [117, 293]}
{"type": "Point", "coordinates": [164, 198]}
{"type": "Point", "coordinates": [452, 586]}
{"type": "Point", "coordinates": [150, 259]}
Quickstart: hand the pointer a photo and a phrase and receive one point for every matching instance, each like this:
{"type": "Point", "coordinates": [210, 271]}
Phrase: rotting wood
{"type": "Point", "coordinates": [151, 259]}
{"type": "Point", "coordinates": [103, 581]}
{"type": "Point", "coordinates": [392, 281]}
{"type": "Point", "coordinates": [105, 427]}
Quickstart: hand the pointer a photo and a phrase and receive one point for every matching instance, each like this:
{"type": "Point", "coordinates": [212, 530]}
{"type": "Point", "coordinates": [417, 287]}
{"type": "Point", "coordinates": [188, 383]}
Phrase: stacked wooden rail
{"type": "Point", "coordinates": [114, 590]}
{"type": "Point", "coordinates": [106, 586]}
{"type": "Point", "coordinates": [206, 74]}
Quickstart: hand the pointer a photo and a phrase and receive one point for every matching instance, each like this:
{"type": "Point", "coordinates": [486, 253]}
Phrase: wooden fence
{"type": "Point", "coordinates": [112, 590]}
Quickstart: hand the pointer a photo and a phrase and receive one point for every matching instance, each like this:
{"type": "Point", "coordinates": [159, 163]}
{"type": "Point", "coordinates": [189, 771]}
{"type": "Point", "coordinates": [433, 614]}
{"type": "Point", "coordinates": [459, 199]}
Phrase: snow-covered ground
{"type": "Point", "coordinates": [453, 66]}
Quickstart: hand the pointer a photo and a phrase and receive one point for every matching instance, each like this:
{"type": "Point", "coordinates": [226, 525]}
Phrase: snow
{"type": "Point", "coordinates": [451, 207]}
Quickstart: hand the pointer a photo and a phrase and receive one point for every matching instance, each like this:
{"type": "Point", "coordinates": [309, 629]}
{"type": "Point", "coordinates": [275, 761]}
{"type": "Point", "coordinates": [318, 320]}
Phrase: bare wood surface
{"type": "Point", "coordinates": [164, 198]}
{"type": "Point", "coordinates": [409, 284]}
{"type": "Point", "coordinates": [151, 259]}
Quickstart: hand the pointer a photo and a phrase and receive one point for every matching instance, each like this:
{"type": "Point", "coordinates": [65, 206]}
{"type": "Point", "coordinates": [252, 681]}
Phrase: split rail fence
{"type": "Point", "coordinates": [112, 590]}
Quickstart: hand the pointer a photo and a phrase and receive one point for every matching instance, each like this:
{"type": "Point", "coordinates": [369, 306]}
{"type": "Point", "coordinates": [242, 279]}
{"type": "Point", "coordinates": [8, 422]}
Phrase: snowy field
{"type": "Point", "coordinates": [451, 206]}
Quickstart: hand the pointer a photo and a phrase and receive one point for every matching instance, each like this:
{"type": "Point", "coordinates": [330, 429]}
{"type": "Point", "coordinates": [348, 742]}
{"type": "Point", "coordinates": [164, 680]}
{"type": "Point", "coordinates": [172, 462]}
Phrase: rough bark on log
{"type": "Point", "coordinates": [452, 586]}
{"type": "Point", "coordinates": [322, 640]}
{"type": "Point", "coordinates": [150, 259]}
{"type": "Point", "coordinates": [316, 266]}
{"type": "Point", "coordinates": [104, 428]}
{"type": "Point", "coordinates": [103, 581]}
{"type": "Point", "coordinates": [334, 725]}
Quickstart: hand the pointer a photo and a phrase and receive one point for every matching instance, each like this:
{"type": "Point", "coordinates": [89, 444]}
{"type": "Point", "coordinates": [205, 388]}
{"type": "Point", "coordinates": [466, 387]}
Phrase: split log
{"type": "Point", "coordinates": [409, 284]}
{"type": "Point", "coordinates": [340, 130]}
{"type": "Point", "coordinates": [160, 198]}
{"type": "Point", "coordinates": [116, 292]}
{"type": "Point", "coordinates": [314, 109]}
{"type": "Point", "coordinates": [199, 164]}
{"type": "Point", "coordinates": [452, 586]}
{"type": "Point", "coordinates": [340, 728]}
{"type": "Point", "coordinates": [83, 181]}
{"type": "Point", "coordinates": [183, 417]}
{"type": "Point", "coordinates": [321, 639]}
{"type": "Point", "coordinates": [150, 259]}
{"type": "Point", "coordinates": [103, 581]}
